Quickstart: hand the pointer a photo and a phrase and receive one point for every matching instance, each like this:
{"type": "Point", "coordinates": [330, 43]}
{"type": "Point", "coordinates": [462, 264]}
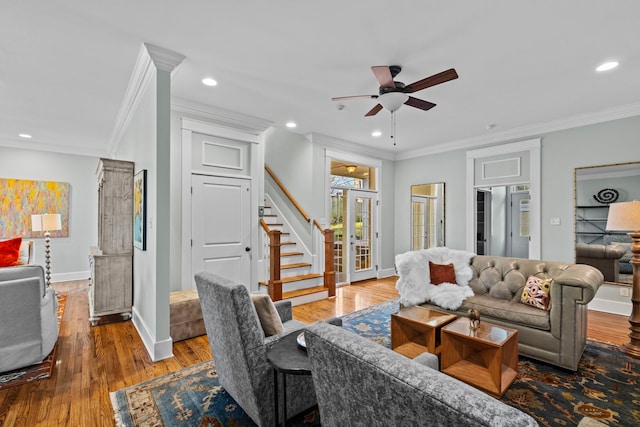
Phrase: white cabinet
{"type": "Point", "coordinates": [111, 262]}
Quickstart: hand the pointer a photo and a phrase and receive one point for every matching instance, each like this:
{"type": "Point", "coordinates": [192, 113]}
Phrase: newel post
{"type": "Point", "coordinates": [329, 262]}
{"type": "Point", "coordinates": [275, 283]}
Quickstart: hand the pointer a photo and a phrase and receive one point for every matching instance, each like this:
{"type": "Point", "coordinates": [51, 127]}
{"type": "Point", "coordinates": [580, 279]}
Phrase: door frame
{"type": "Point", "coordinates": [533, 147]}
{"type": "Point", "coordinates": [425, 224]}
{"type": "Point", "coordinates": [360, 160]}
{"type": "Point", "coordinates": [256, 167]}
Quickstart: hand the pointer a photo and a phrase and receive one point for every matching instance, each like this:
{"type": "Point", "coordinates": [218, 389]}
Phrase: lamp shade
{"type": "Point", "coordinates": [46, 222]}
{"type": "Point", "coordinates": [624, 216]}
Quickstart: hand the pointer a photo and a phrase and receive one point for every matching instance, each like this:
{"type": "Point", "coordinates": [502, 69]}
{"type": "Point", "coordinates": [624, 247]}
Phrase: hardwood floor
{"type": "Point", "coordinates": [91, 361]}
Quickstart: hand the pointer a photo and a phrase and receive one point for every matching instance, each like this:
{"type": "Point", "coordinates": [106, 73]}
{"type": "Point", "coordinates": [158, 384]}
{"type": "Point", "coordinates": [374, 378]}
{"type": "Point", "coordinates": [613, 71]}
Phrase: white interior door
{"type": "Point", "coordinates": [362, 234]}
{"type": "Point", "coordinates": [221, 227]}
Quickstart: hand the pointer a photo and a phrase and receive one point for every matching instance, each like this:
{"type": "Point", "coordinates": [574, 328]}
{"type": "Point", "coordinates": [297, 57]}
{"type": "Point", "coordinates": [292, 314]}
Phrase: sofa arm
{"type": "Point", "coordinates": [583, 276]}
{"type": "Point", "coordinates": [283, 307]}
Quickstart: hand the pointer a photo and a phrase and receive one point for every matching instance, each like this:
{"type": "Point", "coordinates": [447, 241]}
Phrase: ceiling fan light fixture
{"type": "Point", "coordinates": [393, 100]}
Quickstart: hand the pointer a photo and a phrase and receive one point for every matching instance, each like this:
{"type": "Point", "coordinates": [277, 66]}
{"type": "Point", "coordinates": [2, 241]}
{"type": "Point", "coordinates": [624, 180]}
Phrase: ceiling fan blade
{"type": "Point", "coordinates": [436, 79]}
{"type": "Point", "coordinates": [383, 74]}
{"type": "Point", "coordinates": [419, 103]}
{"type": "Point", "coordinates": [343, 98]}
{"type": "Point", "coordinates": [374, 110]}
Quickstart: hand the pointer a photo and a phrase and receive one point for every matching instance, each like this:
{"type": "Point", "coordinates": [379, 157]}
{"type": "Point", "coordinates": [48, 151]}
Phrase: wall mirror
{"type": "Point", "coordinates": [596, 187]}
{"type": "Point", "coordinates": [427, 215]}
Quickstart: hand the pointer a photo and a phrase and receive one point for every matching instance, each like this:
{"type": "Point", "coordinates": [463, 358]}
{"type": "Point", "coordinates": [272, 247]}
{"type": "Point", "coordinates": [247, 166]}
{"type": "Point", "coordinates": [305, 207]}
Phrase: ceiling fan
{"type": "Point", "coordinates": [392, 94]}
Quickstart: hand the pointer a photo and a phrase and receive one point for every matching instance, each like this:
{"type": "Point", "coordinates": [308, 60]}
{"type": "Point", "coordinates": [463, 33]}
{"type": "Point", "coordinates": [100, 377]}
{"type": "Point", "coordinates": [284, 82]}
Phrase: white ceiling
{"type": "Point", "coordinates": [525, 66]}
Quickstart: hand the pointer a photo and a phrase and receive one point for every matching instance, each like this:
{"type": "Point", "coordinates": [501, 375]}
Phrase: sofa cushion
{"type": "Point", "coordinates": [509, 311]}
{"type": "Point", "coordinates": [442, 273]}
{"type": "Point", "coordinates": [268, 315]}
{"type": "Point", "coordinates": [536, 293]}
{"type": "Point", "coordinates": [9, 251]}
{"type": "Point", "coordinates": [26, 249]}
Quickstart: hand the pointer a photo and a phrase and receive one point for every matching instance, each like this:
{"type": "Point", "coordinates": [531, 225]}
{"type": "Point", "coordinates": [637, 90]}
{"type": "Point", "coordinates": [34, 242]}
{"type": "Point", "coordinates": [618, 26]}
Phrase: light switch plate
{"type": "Point", "coordinates": [555, 221]}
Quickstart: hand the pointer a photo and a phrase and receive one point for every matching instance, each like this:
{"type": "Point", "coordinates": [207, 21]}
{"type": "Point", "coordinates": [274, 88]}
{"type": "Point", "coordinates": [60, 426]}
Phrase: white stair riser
{"type": "Point", "coordinates": [305, 299]}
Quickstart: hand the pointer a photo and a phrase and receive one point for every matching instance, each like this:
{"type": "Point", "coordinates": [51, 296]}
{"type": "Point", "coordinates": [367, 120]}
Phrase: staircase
{"type": "Point", "coordinates": [300, 284]}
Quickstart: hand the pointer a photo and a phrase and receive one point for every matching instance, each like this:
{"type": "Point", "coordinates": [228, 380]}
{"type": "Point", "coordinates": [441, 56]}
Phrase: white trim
{"type": "Point", "coordinates": [158, 350]}
{"type": "Point", "coordinates": [70, 276]}
{"type": "Point", "coordinates": [220, 115]}
{"type": "Point", "coordinates": [149, 59]}
{"type": "Point", "coordinates": [386, 272]}
{"type": "Point", "coordinates": [164, 59]}
{"type": "Point", "coordinates": [220, 165]}
{"type": "Point", "coordinates": [51, 147]}
{"type": "Point", "coordinates": [330, 142]}
{"type": "Point", "coordinates": [518, 168]}
{"type": "Point", "coordinates": [531, 145]}
{"type": "Point", "coordinates": [221, 131]}
{"type": "Point", "coordinates": [529, 131]}
{"type": "Point", "coordinates": [608, 306]}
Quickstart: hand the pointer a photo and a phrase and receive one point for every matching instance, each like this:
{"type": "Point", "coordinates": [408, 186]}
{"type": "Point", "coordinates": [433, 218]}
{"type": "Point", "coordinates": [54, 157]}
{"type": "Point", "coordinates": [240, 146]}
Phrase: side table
{"type": "Point", "coordinates": [286, 357]}
{"type": "Point", "coordinates": [486, 358]}
{"type": "Point", "coordinates": [416, 329]}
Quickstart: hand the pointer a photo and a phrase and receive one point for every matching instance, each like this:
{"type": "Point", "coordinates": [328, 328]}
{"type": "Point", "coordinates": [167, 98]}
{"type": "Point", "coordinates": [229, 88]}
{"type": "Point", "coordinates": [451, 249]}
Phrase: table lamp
{"type": "Point", "coordinates": [46, 223]}
{"type": "Point", "coordinates": [625, 216]}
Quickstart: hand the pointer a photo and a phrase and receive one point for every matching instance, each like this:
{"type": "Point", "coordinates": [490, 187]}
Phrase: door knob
{"type": "Point", "coordinates": [248, 249]}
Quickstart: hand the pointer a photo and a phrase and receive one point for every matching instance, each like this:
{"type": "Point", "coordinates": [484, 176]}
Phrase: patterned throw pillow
{"type": "Point", "coordinates": [9, 251]}
{"type": "Point", "coordinates": [442, 273]}
{"type": "Point", "coordinates": [537, 293]}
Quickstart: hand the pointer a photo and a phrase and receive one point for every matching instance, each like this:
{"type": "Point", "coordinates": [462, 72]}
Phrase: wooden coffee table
{"type": "Point", "coordinates": [486, 358]}
{"type": "Point", "coordinates": [416, 329]}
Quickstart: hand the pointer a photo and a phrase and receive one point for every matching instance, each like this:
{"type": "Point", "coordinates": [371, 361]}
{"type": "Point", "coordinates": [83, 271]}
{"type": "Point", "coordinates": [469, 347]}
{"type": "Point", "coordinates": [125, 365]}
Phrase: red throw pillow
{"type": "Point", "coordinates": [442, 273]}
{"type": "Point", "coordinates": [9, 252]}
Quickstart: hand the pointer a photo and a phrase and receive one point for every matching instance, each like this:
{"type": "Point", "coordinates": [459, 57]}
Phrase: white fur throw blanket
{"type": "Point", "coordinates": [415, 285]}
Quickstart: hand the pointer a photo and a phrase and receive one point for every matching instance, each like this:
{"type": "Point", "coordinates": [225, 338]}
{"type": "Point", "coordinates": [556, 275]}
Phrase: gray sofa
{"type": "Point", "coordinates": [28, 317]}
{"type": "Point", "coordinates": [361, 383]}
{"type": "Point", "coordinates": [557, 336]}
{"type": "Point", "coordinates": [605, 258]}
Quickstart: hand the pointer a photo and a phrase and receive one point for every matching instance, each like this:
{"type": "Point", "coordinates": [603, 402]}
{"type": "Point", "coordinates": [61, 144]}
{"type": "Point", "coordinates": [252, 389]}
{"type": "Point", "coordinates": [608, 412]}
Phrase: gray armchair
{"type": "Point", "coordinates": [361, 383]}
{"type": "Point", "coordinates": [239, 349]}
{"type": "Point", "coordinates": [28, 317]}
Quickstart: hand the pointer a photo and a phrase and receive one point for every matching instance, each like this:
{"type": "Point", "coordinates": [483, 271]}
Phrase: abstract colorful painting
{"type": "Point", "coordinates": [140, 210]}
{"type": "Point", "coordinates": [21, 198]}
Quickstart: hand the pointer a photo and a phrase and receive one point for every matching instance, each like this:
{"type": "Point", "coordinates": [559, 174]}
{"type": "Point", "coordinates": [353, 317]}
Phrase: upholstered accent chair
{"type": "Point", "coordinates": [239, 348]}
{"type": "Point", "coordinates": [361, 383]}
{"type": "Point", "coordinates": [28, 317]}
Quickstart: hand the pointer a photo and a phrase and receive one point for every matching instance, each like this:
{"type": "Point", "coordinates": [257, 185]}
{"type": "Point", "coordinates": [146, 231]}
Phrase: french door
{"type": "Point", "coordinates": [362, 234]}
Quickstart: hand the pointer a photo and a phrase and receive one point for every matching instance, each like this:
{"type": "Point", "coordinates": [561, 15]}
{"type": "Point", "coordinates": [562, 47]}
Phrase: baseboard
{"type": "Point", "coordinates": [157, 350]}
{"type": "Point", "coordinates": [386, 272]}
{"type": "Point", "coordinates": [69, 277]}
{"type": "Point", "coordinates": [608, 306]}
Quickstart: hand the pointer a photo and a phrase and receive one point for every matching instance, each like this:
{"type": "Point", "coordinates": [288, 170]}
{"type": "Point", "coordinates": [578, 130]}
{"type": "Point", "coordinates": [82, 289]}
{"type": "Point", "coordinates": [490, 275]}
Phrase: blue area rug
{"type": "Point", "coordinates": [606, 387]}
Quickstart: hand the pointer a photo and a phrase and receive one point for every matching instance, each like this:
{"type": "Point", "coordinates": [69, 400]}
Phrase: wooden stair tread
{"type": "Point", "coordinates": [287, 243]}
{"type": "Point", "coordinates": [294, 265]}
{"type": "Point", "coordinates": [285, 254]}
{"type": "Point", "coordinates": [301, 292]}
{"type": "Point", "coordinates": [296, 278]}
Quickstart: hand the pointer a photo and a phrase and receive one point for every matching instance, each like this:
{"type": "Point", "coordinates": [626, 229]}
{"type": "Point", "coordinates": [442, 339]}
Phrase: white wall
{"type": "Point", "coordinates": [69, 255]}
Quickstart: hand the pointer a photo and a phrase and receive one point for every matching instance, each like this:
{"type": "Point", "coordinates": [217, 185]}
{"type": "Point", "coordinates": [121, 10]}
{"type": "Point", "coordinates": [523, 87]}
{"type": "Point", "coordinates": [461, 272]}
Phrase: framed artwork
{"type": "Point", "coordinates": [140, 210]}
{"type": "Point", "coordinates": [21, 198]}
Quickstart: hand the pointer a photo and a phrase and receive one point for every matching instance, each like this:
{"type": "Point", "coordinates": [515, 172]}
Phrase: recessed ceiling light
{"type": "Point", "coordinates": [607, 66]}
{"type": "Point", "coordinates": [376, 133]}
{"type": "Point", "coordinates": [24, 135]}
{"type": "Point", "coordinates": [291, 125]}
{"type": "Point", "coordinates": [208, 81]}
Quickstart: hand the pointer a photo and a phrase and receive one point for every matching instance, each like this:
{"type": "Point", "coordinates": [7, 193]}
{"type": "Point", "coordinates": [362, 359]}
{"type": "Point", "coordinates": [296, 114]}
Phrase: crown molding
{"type": "Point", "coordinates": [164, 59]}
{"type": "Point", "coordinates": [536, 130]}
{"type": "Point", "coordinates": [220, 115]}
{"type": "Point", "coordinates": [51, 148]}
{"type": "Point", "coordinates": [352, 147]}
{"type": "Point", "coordinates": [149, 59]}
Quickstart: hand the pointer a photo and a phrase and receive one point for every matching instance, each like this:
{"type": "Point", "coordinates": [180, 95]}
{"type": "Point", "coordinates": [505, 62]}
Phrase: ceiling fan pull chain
{"type": "Point", "coordinates": [393, 127]}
